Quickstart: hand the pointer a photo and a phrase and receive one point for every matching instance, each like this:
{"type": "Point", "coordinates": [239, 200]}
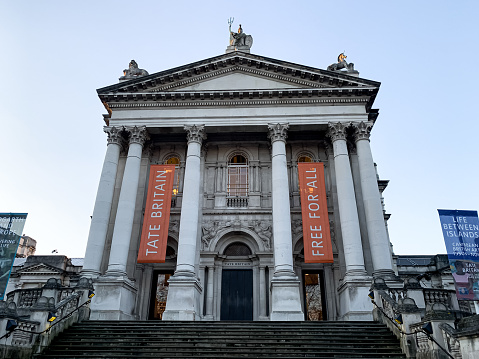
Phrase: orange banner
{"type": "Point", "coordinates": [157, 215]}
{"type": "Point", "coordinates": [314, 208]}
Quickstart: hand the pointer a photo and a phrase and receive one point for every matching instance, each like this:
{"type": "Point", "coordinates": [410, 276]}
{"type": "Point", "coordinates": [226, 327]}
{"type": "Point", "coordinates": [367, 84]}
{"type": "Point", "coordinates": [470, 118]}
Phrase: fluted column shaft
{"type": "Point", "coordinates": [120, 243]}
{"type": "Point", "coordinates": [378, 238]}
{"type": "Point", "coordinates": [283, 247]}
{"type": "Point", "coordinates": [103, 202]}
{"type": "Point", "coordinates": [209, 291]}
{"type": "Point", "coordinates": [187, 245]}
{"type": "Point", "coordinates": [348, 212]}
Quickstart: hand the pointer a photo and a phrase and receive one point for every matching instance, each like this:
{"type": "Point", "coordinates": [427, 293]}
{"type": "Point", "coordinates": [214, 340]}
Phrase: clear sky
{"type": "Point", "coordinates": [55, 54]}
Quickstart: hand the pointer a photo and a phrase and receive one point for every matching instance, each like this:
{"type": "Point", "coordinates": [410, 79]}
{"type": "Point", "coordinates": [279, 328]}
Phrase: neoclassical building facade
{"type": "Point", "coordinates": [235, 127]}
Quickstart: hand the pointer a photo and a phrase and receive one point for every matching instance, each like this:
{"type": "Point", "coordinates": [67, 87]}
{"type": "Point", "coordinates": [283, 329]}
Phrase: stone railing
{"type": "Point", "coordinates": [443, 296]}
{"type": "Point", "coordinates": [33, 331]}
{"type": "Point", "coordinates": [453, 344]}
{"type": "Point", "coordinates": [237, 202]}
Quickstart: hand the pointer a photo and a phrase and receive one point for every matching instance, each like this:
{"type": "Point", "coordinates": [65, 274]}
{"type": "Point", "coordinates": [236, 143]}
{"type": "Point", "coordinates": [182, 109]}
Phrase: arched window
{"type": "Point", "coordinates": [237, 249]}
{"type": "Point", "coordinates": [238, 176]}
{"type": "Point", "coordinates": [304, 158]}
{"type": "Point", "coordinates": [173, 160]}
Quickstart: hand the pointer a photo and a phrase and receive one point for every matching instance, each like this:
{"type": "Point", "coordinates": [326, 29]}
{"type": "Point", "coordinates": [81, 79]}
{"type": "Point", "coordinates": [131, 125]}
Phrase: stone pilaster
{"type": "Point", "coordinates": [286, 303]}
{"type": "Point", "coordinates": [378, 238]}
{"type": "Point", "coordinates": [184, 292]}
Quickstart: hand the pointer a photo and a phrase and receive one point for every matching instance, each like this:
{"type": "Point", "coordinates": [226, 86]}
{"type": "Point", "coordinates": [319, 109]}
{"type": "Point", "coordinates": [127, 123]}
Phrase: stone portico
{"type": "Point", "coordinates": [236, 126]}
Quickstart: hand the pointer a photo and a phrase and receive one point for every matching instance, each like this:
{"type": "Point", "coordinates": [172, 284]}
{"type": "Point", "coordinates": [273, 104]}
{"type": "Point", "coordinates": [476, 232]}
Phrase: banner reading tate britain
{"type": "Point", "coordinates": [461, 234]}
{"type": "Point", "coordinates": [154, 234]}
{"type": "Point", "coordinates": [11, 229]}
{"type": "Point", "coordinates": [314, 208]}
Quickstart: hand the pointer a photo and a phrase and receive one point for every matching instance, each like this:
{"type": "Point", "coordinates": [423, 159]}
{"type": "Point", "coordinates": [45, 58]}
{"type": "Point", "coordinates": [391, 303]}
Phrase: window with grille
{"type": "Point", "coordinates": [305, 159]}
{"type": "Point", "coordinates": [237, 249]}
{"type": "Point", "coordinates": [238, 176]}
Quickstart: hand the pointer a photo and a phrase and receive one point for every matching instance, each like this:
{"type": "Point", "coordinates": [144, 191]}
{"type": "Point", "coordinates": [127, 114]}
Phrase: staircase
{"type": "Point", "coordinates": [138, 339]}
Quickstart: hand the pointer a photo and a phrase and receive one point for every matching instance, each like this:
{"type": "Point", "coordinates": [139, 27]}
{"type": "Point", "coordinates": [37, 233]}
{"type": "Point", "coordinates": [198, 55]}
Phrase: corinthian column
{"type": "Point", "coordinates": [378, 238]}
{"type": "Point", "coordinates": [120, 243]}
{"type": "Point", "coordinates": [102, 209]}
{"type": "Point", "coordinates": [183, 302]}
{"type": "Point", "coordinates": [286, 304]}
{"type": "Point", "coordinates": [348, 212]}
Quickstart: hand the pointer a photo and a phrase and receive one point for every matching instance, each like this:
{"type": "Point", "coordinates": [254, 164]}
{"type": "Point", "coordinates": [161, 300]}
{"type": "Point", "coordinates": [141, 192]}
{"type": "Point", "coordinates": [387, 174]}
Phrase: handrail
{"type": "Point", "coordinates": [415, 333]}
{"type": "Point", "coordinates": [6, 335]}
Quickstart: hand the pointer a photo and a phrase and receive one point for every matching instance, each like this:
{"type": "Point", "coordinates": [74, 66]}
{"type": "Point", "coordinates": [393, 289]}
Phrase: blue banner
{"type": "Point", "coordinates": [11, 229]}
{"type": "Point", "coordinates": [461, 235]}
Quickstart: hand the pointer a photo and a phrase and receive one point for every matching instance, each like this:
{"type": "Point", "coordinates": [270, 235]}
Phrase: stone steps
{"type": "Point", "coordinates": [182, 340]}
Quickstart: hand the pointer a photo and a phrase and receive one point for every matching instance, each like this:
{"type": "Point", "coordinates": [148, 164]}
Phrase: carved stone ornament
{"type": "Point", "coordinates": [297, 227]}
{"type": "Point", "coordinates": [337, 131]}
{"type": "Point", "coordinates": [115, 135]}
{"type": "Point", "coordinates": [174, 227]}
{"type": "Point", "coordinates": [195, 133]}
{"type": "Point", "coordinates": [263, 230]}
{"type": "Point", "coordinates": [278, 132]}
{"type": "Point", "coordinates": [132, 72]}
{"type": "Point", "coordinates": [239, 40]}
{"type": "Point", "coordinates": [209, 230]}
{"type": "Point", "coordinates": [138, 134]}
{"type": "Point", "coordinates": [341, 64]}
{"type": "Point", "coordinates": [362, 130]}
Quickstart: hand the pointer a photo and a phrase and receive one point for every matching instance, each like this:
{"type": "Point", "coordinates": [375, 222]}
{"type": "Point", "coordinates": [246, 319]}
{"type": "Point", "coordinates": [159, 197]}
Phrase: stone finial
{"type": "Point", "coordinates": [133, 72]}
{"type": "Point", "coordinates": [239, 41]}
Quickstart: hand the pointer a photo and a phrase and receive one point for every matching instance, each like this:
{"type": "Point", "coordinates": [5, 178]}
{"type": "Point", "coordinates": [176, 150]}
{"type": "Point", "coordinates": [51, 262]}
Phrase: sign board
{"type": "Point", "coordinates": [11, 229]}
{"type": "Point", "coordinates": [154, 234]}
{"type": "Point", "coordinates": [461, 234]}
{"type": "Point", "coordinates": [314, 209]}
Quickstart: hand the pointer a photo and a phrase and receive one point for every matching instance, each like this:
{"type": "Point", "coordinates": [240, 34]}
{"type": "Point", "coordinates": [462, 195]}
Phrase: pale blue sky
{"type": "Point", "coordinates": [57, 53]}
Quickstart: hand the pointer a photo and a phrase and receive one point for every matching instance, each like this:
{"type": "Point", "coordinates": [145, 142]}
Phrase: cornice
{"type": "Point", "coordinates": [241, 103]}
{"type": "Point", "coordinates": [248, 62]}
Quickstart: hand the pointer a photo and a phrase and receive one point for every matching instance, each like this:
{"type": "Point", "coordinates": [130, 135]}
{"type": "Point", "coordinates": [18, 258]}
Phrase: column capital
{"type": "Point", "coordinates": [138, 134]}
{"type": "Point", "coordinates": [362, 130]}
{"type": "Point", "coordinates": [337, 131]}
{"type": "Point", "coordinates": [114, 135]}
{"type": "Point", "coordinates": [195, 133]}
{"type": "Point", "coordinates": [278, 132]}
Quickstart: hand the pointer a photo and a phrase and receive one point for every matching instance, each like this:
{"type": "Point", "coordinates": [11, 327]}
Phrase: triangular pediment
{"type": "Point", "coordinates": [238, 71]}
{"type": "Point", "coordinates": [238, 80]}
{"type": "Point", "coordinates": [40, 269]}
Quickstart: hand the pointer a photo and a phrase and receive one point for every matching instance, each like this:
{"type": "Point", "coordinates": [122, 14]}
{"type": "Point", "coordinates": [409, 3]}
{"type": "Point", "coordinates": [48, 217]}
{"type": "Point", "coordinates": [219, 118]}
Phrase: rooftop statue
{"type": "Point", "coordinates": [239, 41]}
{"type": "Point", "coordinates": [133, 71]}
{"type": "Point", "coordinates": [341, 64]}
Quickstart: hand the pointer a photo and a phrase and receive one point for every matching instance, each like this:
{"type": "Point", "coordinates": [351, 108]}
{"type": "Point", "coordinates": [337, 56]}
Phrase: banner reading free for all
{"type": "Point", "coordinates": [461, 234]}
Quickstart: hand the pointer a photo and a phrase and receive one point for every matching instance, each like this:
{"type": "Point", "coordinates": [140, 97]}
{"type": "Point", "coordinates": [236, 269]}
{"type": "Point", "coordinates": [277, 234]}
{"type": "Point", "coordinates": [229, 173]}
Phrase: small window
{"type": "Point", "coordinates": [237, 249]}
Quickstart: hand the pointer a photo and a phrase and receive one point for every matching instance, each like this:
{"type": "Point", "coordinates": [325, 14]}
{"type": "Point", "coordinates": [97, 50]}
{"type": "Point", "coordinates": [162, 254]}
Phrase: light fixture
{"type": "Point", "coordinates": [398, 319]}
{"type": "Point", "coordinates": [91, 294]}
{"type": "Point", "coordinates": [11, 325]}
{"type": "Point", "coordinates": [427, 328]}
{"type": "Point", "coordinates": [51, 317]}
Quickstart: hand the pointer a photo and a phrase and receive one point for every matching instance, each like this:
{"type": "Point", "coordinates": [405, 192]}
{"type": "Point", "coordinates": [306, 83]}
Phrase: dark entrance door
{"type": "Point", "coordinates": [159, 293]}
{"type": "Point", "coordinates": [237, 294]}
{"type": "Point", "coordinates": [314, 297]}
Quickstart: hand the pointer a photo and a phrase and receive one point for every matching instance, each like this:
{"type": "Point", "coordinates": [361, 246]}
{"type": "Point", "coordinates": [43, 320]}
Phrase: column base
{"type": "Point", "coordinates": [354, 303]}
{"type": "Point", "coordinates": [286, 300]}
{"type": "Point", "coordinates": [114, 299]}
{"type": "Point", "coordinates": [89, 273]}
{"type": "Point", "coordinates": [183, 302]}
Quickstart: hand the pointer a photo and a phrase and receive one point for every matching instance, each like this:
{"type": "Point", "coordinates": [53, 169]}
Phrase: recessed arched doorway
{"type": "Point", "coordinates": [237, 283]}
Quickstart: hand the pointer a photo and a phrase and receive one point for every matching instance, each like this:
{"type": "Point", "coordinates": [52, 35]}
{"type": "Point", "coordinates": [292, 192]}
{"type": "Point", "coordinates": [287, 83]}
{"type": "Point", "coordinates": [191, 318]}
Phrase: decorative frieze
{"type": "Point", "coordinates": [195, 133]}
{"type": "Point", "coordinates": [278, 132]}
